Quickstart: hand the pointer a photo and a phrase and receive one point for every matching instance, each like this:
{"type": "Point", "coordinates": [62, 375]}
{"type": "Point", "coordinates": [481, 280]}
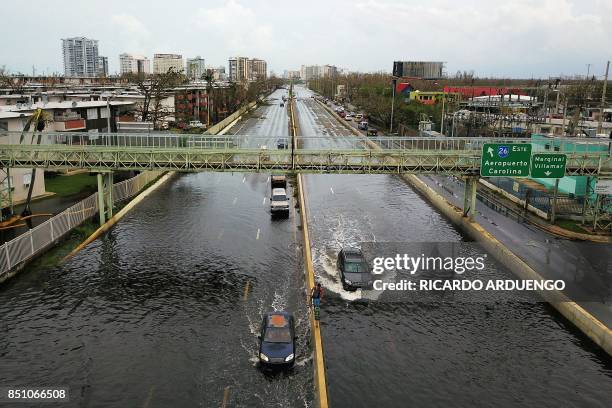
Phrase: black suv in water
{"type": "Point", "coordinates": [277, 340]}
{"type": "Point", "coordinates": [354, 270]}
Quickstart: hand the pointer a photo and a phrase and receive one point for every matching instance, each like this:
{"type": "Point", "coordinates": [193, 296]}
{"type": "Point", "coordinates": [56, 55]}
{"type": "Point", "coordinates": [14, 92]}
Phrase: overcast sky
{"type": "Point", "coordinates": [517, 38]}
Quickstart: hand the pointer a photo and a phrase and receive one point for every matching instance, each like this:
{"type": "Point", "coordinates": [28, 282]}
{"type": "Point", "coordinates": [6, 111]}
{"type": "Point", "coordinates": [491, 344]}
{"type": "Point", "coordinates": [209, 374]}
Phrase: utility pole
{"type": "Point", "coordinates": [393, 83]}
{"type": "Point", "coordinates": [588, 70]}
{"type": "Point", "coordinates": [603, 100]}
{"type": "Point", "coordinates": [442, 120]}
{"type": "Point", "coordinates": [564, 114]}
{"type": "Point", "coordinates": [501, 113]}
{"type": "Point", "coordinates": [553, 209]}
{"type": "Point", "coordinates": [545, 103]}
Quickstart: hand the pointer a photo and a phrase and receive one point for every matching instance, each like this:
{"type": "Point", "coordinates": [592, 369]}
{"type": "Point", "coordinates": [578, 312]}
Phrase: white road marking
{"type": "Point", "coordinates": [258, 231]}
{"type": "Point", "coordinates": [264, 200]}
{"type": "Point", "coordinates": [243, 179]}
{"type": "Point", "coordinates": [235, 199]}
{"type": "Point", "coordinates": [147, 402]}
{"type": "Point", "coordinates": [332, 190]}
{"type": "Point", "coordinates": [220, 234]}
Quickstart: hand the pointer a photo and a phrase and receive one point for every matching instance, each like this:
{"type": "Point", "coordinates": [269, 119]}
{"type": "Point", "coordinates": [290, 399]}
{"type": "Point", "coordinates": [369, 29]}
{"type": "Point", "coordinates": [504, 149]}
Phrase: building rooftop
{"type": "Point", "coordinates": [61, 105]}
{"type": "Point", "coordinates": [11, 115]}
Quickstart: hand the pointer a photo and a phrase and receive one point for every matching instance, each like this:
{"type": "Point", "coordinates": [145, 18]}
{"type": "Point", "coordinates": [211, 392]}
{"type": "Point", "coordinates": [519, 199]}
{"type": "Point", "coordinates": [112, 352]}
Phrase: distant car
{"type": "Point", "coordinates": [338, 108]}
{"type": "Point", "coordinates": [363, 125]}
{"type": "Point", "coordinates": [342, 114]}
{"type": "Point", "coordinates": [358, 116]}
{"type": "Point", "coordinates": [279, 202]}
{"type": "Point", "coordinates": [196, 124]}
{"type": "Point", "coordinates": [372, 132]}
{"type": "Point", "coordinates": [354, 270]}
{"type": "Point", "coordinates": [282, 143]}
{"type": "Point", "coordinates": [348, 117]}
{"type": "Point", "coordinates": [277, 340]}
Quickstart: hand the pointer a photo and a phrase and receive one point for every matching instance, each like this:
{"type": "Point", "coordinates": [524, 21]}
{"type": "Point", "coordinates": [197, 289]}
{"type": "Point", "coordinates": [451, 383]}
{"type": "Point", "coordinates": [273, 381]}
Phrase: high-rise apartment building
{"type": "Point", "coordinates": [243, 69]}
{"type": "Point", "coordinates": [134, 64]}
{"type": "Point", "coordinates": [195, 67]}
{"type": "Point", "coordinates": [239, 69]}
{"type": "Point", "coordinates": [164, 62]}
{"type": "Point", "coordinates": [259, 69]}
{"type": "Point", "coordinates": [308, 72]}
{"type": "Point", "coordinates": [291, 74]}
{"type": "Point", "coordinates": [102, 66]}
{"type": "Point", "coordinates": [80, 57]}
{"type": "Point", "coordinates": [217, 72]}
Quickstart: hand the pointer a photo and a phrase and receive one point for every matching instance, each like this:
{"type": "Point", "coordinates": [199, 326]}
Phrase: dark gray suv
{"type": "Point", "coordinates": [354, 270]}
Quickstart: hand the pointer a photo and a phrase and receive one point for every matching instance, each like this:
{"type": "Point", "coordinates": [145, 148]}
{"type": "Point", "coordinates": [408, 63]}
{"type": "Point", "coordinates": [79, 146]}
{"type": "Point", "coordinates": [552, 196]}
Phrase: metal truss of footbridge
{"type": "Point", "coordinates": [324, 154]}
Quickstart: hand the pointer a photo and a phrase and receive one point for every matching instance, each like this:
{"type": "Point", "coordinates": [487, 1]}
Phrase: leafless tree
{"type": "Point", "coordinates": [14, 83]}
{"type": "Point", "coordinates": [155, 88]}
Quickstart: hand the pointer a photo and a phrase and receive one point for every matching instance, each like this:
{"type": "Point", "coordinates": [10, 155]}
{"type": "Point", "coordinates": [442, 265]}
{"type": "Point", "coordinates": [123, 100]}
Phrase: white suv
{"type": "Point", "coordinates": [279, 202]}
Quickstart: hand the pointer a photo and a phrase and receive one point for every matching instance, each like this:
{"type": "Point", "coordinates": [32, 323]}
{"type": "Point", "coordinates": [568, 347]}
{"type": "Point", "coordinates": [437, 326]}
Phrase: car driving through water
{"type": "Point", "coordinates": [354, 270]}
{"type": "Point", "coordinates": [277, 340]}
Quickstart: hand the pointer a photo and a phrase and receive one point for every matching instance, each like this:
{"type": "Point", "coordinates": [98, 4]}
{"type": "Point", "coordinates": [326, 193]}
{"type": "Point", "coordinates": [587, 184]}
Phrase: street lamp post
{"type": "Point", "coordinates": [453, 125]}
{"type": "Point", "coordinates": [107, 95]}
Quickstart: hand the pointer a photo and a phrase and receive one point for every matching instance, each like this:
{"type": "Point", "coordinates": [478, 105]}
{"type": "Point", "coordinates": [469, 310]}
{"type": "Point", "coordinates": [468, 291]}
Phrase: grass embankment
{"type": "Point", "coordinates": [55, 254]}
{"type": "Point", "coordinates": [573, 226]}
{"type": "Point", "coordinates": [66, 186]}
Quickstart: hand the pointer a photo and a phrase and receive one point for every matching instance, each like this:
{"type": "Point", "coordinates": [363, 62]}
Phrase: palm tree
{"type": "Point", "coordinates": [210, 79]}
{"type": "Point", "coordinates": [38, 121]}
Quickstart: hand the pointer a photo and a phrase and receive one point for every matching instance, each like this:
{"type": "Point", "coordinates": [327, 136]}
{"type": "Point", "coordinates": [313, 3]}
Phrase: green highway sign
{"type": "Point", "coordinates": [505, 160]}
{"type": "Point", "coordinates": [548, 165]}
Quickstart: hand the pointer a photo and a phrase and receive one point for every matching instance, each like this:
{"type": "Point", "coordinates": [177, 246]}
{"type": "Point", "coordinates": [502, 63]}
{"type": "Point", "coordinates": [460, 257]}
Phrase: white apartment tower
{"type": "Point", "coordinates": [80, 57]}
{"type": "Point", "coordinates": [195, 67]}
{"type": "Point", "coordinates": [135, 64]}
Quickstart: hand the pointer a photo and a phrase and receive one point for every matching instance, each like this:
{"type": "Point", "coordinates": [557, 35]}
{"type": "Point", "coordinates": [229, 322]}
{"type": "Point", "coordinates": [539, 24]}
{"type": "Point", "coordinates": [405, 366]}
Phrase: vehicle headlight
{"type": "Point", "coordinates": [348, 282]}
{"type": "Point", "coordinates": [263, 357]}
{"type": "Point", "coordinates": [289, 357]}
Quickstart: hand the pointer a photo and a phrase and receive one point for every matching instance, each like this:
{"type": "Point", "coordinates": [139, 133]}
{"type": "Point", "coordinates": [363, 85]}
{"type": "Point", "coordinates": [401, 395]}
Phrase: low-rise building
{"type": "Point", "coordinates": [71, 116]}
{"type": "Point", "coordinates": [15, 183]}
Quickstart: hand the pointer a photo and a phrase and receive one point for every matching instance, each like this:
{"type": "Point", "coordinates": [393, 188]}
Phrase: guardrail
{"type": "Point", "coordinates": [31, 243]}
{"type": "Point", "coordinates": [158, 140]}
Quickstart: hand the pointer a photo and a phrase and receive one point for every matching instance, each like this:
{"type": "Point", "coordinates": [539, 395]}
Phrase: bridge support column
{"type": "Point", "coordinates": [469, 197]}
{"type": "Point", "coordinates": [105, 196]}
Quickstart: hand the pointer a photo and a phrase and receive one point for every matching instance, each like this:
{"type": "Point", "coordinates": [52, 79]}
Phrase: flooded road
{"type": "Point", "coordinates": [165, 309]}
{"type": "Point", "coordinates": [497, 351]}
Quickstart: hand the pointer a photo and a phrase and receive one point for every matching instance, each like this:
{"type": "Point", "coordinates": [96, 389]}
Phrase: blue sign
{"type": "Point", "coordinates": [503, 151]}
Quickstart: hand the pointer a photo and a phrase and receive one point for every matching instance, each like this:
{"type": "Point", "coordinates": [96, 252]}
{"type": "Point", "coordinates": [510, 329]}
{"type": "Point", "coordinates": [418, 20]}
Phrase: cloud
{"type": "Point", "coordinates": [132, 34]}
{"type": "Point", "coordinates": [519, 37]}
{"type": "Point", "coordinates": [237, 27]}
{"type": "Point", "coordinates": [503, 37]}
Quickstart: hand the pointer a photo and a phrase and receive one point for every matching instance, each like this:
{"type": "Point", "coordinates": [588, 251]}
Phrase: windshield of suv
{"type": "Point", "coordinates": [278, 335]}
{"type": "Point", "coordinates": [279, 198]}
{"type": "Point", "coordinates": [354, 267]}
